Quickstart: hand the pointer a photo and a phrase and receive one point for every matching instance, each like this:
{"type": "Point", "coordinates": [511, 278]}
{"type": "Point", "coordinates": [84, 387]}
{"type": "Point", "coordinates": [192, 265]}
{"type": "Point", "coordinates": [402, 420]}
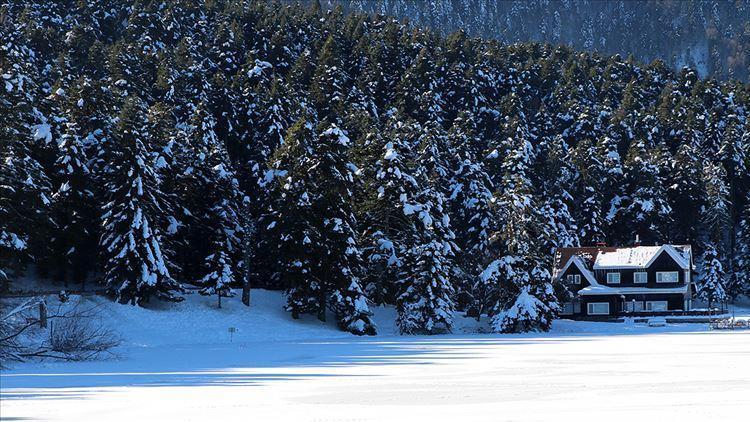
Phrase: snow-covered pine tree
{"type": "Point", "coordinates": [739, 281]}
{"type": "Point", "coordinates": [644, 207]}
{"type": "Point", "coordinates": [685, 193]}
{"type": "Point", "coordinates": [715, 218]}
{"type": "Point", "coordinates": [711, 283]}
{"type": "Point", "coordinates": [25, 185]}
{"type": "Point", "coordinates": [526, 300]}
{"type": "Point", "coordinates": [472, 214]}
{"type": "Point", "coordinates": [134, 267]}
{"type": "Point", "coordinates": [555, 179]}
{"type": "Point", "coordinates": [609, 155]}
{"type": "Point", "coordinates": [426, 299]}
{"type": "Point", "coordinates": [312, 224]}
{"type": "Point", "coordinates": [74, 241]}
{"type": "Point", "coordinates": [420, 90]}
{"type": "Point", "coordinates": [388, 231]}
{"type": "Point", "coordinates": [734, 156]}
{"type": "Point", "coordinates": [327, 87]}
{"type": "Point", "coordinates": [590, 211]}
{"type": "Point", "coordinates": [342, 264]}
{"type": "Point", "coordinates": [534, 307]}
{"type": "Point", "coordinates": [25, 200]}
{"type": "Point", "coordinates": [217, 206]}
{"type": "Point", "coordinates": [385, 63]}
{"type": "Point", "coordinates": [715, 213]}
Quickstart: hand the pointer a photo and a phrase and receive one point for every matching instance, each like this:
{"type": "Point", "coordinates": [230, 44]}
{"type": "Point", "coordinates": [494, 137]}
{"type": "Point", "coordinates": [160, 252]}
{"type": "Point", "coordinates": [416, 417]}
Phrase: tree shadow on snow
{"type": "Point", "coordinates": [257, 364]}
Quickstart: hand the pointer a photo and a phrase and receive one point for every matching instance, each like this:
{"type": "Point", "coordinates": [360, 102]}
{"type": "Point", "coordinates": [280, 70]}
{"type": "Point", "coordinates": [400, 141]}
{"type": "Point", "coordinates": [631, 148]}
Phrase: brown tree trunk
{"type": "Point", "coordinates": [249, 229]}
{"type": "Point", "coordinates": [43, 314]}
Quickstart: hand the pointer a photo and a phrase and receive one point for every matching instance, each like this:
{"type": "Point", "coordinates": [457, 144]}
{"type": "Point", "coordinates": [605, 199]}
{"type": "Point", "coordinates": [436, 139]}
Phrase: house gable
{"type": "Point", "coordinates": [576, 266]}
{"type": "Point", "coordinates": [665, 262]}
{"type": "Point", "coordinates": [675, 256]}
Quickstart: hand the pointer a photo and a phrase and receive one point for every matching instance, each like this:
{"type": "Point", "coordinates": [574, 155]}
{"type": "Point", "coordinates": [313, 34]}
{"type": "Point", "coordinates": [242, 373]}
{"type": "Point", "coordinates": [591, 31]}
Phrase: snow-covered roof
{"type": "Point", "coordinates": [599, 289]}
{"type": "Point", "coordinates": [578, 262]}
{"type": "Point", "coordinates": [640, 257]}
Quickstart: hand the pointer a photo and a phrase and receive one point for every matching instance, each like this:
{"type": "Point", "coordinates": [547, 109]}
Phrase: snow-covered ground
{"type": "Point", "coordinates": [177, 364]}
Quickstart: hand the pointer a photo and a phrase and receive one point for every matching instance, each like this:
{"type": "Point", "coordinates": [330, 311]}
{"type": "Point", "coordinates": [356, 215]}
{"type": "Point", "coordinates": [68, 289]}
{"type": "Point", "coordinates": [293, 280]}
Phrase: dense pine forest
{"type": "Point", "coordinates": [712, 36]}
{"type": "Point", "coordinates": [352, 160]}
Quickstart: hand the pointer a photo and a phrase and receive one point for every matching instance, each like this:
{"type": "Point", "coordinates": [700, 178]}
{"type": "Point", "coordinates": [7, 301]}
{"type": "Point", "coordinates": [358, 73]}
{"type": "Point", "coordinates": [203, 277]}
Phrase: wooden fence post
{"type": "Point", "coordinates": [43, 314]}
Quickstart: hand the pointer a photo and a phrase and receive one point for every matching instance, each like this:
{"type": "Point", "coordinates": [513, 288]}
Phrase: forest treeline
{"type": "Point", "coordinates": [352, 160]}
{"type": "Point", "coordinates": [712, 36]}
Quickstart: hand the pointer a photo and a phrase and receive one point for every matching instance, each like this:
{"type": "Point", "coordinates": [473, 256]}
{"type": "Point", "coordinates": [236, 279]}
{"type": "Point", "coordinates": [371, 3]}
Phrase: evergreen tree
{"type": "Point", "coordinates": [527, 302]}
{"type": "Point", "coordinates": [739, 282]}
{"type": "Point", "coordinates": [218, 206]}
{"type": "Point", "coordinates": [426, 299]}
{"type": "Point", "coordinates": [711, 284]}
{"type": "Point", "coordinates": [393, 189]}
{"type": "Point", "coordinates": [25, 185]}
{"type": "Point", "coordinates": [134, 269]}
{"type": "Point", "coordinates": [590, 215]}
{"type": "Point", "coordinates": [472, 213]}
{"type": "Point", "coordinates": [319, 253]}
{"type": "Point", "coordinates": [74, 242]}
{"type": "Point", "coordinates": [644, 202]}
{"type": "Point", "coordinates": [715, 217]}
{"type": "Point", "coordinates": [327, 86]}
{"type": "Point", "coordinates": [558, 174]}
{"type": "Point", "coordinates": [685, 192]}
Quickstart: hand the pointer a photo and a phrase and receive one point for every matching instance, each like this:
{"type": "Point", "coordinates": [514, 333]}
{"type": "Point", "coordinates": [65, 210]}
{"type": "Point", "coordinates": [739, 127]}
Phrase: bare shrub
{"type": "Point", "coordinates": [15, 324]}
{"type": "Point", "coordinates": [74, 333]}
{"type": "Point", "coordinates": [77, 337]}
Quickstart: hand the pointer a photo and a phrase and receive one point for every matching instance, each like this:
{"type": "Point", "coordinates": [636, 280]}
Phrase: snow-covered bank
{"type": "Point", "coordinates": [198, 321]}
{"type": "Point", "coordinates": [177, 363]}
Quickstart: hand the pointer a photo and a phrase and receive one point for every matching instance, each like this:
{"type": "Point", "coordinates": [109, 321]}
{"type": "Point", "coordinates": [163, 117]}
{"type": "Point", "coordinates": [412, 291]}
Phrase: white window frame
{"type": "Point", "coordinates": [609, 281]}
{"type": "Point", "coordinates": [634, 306]}
{"type": "Point", "coordinates": [660, 276]}
{"type": "Point", "coordinates": [650, 305]}
{"type": "Point", "coordinates": [567, 308]}
{"type": "Point", "coordinates": [640, 273]}
{"type": "Point", "coordinates": [590, 307]}
{"type": "Point", "coordinates": [576, 279]}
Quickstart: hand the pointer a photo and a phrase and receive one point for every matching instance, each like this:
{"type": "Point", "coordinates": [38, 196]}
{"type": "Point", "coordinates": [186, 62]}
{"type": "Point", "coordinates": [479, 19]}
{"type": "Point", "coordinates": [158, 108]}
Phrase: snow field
{"type": "Point", "coordinates": [177, 364]}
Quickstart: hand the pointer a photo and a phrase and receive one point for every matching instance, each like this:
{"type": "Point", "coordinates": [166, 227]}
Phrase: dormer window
{"type": "Point", "coordinates": [574, 279]}
{"type": "Point", "coordinates": [667, 277]}
{"type": "Point", "coordinates": [613, 278]}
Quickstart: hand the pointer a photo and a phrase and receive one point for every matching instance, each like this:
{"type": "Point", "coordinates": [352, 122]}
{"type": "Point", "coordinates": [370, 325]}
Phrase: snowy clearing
{"type": "Point", "coordinates": [177, 364]}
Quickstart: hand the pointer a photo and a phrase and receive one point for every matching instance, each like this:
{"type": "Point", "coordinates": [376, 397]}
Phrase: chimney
{"type": "Point", "coordinates": [637, 240]}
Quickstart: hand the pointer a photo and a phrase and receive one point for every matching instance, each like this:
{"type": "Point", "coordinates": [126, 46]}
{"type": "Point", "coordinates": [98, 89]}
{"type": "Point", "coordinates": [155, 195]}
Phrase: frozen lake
{"type": "Point", "coordinates": [580, 371]}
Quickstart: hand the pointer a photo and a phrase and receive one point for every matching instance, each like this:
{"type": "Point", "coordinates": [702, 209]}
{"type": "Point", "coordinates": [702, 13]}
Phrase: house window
{"type": "Point", "coordinates": [613, 278]}
{"type": "Point", "coordinates": [567, 308]}
{"type": "Point", "coordinates": [656, 305]}
{"type": "Point", "coordinates": [640, 277]}
{"type": "Point", "coordinates": [598, 308]}
{"type": "Point", "coordinates": [574, 279]}
{"type": "Point", "coordinates": [633, 306]}
{"type": "Point", "coordinates": [667, 277]}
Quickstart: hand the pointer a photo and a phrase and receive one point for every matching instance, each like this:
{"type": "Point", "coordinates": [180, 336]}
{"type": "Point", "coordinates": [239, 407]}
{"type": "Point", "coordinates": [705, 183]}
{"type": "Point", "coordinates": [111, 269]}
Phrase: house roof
{"type": "Point", "coordinates": [586, 253]}
{"type": "Point", "coordinates": [639, 257]}
{"type": "Point", "coordinates": [605, 257]}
